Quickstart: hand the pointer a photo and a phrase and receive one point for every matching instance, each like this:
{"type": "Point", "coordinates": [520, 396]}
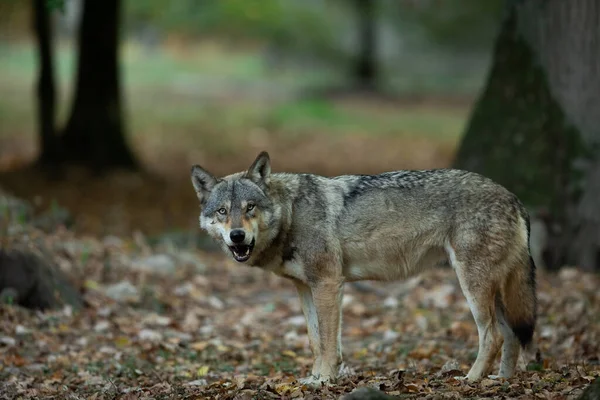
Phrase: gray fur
{"type": "Point", "coordinates": [321, 232]}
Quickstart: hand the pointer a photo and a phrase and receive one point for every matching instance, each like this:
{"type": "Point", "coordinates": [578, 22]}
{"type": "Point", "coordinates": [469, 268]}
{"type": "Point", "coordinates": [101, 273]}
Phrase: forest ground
{"type": "Point", "coordinates": [169, 321]}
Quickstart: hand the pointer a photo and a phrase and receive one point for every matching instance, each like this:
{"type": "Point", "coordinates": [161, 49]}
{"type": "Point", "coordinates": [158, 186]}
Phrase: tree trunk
{"type": "Point", "coordinates": [365, 70]}
{"type": "Point", "coordinates": [94, 134]}
{"type": "Point", "coordinates": [46, 93]}
{"type": "Point", "coordinates": [536, 126]}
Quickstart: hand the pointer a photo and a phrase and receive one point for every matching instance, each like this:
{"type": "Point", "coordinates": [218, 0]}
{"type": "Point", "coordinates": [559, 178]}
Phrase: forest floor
{"type": "Point", "coordinates": [169, 321]}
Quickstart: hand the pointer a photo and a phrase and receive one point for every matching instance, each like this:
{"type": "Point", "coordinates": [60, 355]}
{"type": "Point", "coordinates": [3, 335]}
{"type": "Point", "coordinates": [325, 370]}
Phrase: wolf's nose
{"type": "Point", "coordinates": [237, 235]}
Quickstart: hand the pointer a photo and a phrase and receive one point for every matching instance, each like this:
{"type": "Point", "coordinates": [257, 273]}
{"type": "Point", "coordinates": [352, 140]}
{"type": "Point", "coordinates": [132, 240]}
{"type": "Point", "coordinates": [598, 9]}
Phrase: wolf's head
{"type": "Point", "coordinates": [236, 210]}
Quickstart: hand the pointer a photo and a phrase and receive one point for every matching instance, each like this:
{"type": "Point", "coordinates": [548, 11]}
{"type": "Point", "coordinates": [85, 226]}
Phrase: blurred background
{"type": "Point", "coordinates": [104, 106]}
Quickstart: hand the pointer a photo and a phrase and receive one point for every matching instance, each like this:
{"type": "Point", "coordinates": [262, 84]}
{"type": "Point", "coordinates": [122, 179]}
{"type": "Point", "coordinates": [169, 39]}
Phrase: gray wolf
{"type": "Point", "coordinates": [321, 232]}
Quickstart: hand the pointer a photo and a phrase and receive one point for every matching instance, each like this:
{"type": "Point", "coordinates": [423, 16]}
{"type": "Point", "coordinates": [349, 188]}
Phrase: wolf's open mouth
{"type": "Point", "coordinates": [242, 252]}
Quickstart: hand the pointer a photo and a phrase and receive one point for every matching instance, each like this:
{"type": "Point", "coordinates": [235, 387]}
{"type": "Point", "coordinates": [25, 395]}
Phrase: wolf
{"type": "Point", "coordinates": [321, 232]}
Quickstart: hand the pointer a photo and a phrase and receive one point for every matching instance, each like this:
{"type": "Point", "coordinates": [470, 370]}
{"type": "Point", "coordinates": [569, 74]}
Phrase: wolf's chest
{"type": "Point", "coordinates": [288, 269]}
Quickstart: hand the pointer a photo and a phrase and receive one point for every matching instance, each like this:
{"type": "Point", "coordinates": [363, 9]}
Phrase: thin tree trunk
{"type": "Point", "coordinates": [366, 71]}
{"type": "Point", "coordinates": [536, 125]}
{"type": "Point", "coordinates": [94, 135]}
{"type": "Point", "coordinates": [46, 93]}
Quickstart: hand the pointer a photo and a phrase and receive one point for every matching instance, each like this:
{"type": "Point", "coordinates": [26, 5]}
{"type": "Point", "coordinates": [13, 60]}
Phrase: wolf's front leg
{"type": "Point", "coordinates": [327, 298]}
{"type": "Point", "coordinates": [312, 323]}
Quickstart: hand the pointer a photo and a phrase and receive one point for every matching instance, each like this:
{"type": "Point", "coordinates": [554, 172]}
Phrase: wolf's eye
{"type": "Point", "coordinates": [222, 211]}
{"type": "Point", "coordinates": [250, 207]}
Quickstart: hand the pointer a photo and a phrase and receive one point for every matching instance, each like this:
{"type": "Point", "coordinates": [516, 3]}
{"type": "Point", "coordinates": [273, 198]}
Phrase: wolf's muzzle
{"type": "Point", "coordinates": [241, 252]}
{"type": "Point", "coordinates": [237, 236]}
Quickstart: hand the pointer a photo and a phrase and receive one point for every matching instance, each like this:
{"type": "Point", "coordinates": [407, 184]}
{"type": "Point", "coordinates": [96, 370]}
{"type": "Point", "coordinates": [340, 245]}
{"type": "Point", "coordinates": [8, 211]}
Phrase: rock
{"type": "Point", "coordinates": [35, 282]}
{"type": "Point", "coordinates": [122, 291]}
{"type": "Point", "coordinates": [158, 263]}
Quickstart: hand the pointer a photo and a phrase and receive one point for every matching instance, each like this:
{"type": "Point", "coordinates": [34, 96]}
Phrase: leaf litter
{"type": "Point", "coordinates": [169, 322]}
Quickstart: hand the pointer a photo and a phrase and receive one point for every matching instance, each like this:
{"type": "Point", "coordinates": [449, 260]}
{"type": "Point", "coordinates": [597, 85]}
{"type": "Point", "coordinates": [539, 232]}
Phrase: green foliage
{"type": "Point", "coordinates": [451, 23]}
{"type": "Point", "coordinates": [56, 5]}
{"type": "Point", "coordinates": [297, 26]}
{"type": "Point", "coordinates": [532, 366]}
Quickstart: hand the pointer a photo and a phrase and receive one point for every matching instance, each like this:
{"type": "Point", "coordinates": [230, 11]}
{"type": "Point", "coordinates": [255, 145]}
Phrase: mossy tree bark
{"type": "Point", "coordinates": [94, 135]}
{"type": "Point", "coordinates": [536, 126]}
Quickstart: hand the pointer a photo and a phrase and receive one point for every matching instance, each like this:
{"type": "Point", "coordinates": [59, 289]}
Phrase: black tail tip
{"type": "Point", "coordinates": [524, 332]}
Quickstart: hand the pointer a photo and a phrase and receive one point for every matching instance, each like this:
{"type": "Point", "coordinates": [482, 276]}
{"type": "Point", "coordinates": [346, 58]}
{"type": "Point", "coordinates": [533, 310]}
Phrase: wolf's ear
{"type": "Point", "coordinates": [203, 182]}
{"type": "Point", "coordinates": [260, 170]}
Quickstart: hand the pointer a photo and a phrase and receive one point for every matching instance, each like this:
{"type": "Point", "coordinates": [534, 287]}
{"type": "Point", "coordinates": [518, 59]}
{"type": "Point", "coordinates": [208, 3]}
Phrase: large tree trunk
{"type": "Point", "coordinates": [94, 134]}
{"type": "Point", "coordinates": [48, 141]}
{"type": "Point", "coordinates": [536, 126]}
{"type": "Point", "coordinates": [365, 69]}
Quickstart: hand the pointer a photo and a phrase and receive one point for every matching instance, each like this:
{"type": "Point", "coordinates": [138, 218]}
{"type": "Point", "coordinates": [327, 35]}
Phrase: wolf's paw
{"type": "Point", "coordinates": [495, 377]}
{"type": "Point", "coordinates": [466, 379]}
{"type": "Point", "coordinates": [314, 381]}
{"type": "Point", "coordinates": [345, 370]}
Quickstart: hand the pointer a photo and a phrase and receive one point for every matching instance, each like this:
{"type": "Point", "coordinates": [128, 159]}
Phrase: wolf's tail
{"type": "Point", "coordinates": [518, 293]}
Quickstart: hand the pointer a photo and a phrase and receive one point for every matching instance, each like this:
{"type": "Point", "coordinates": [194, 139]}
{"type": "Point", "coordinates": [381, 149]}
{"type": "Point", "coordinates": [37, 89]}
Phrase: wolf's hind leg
{"type": "Point", "coordinates": [481, 302]}
{"type": "Point", "coordinates": [480, 294]}
{"type": "Point", "coordinates": [516, 308]}
{"type": "Point", "coordinates": [510, 348]}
